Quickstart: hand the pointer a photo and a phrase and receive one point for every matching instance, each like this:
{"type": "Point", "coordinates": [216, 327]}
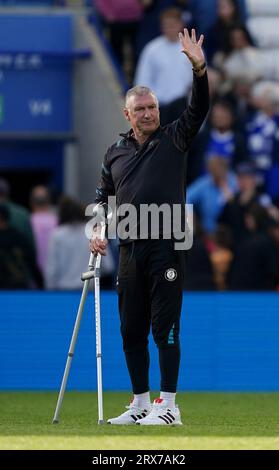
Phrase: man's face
{"type": "Point", "coordinates": [217, 167]}
{"type": "Point", "coordinates": [226, 10]}
{"type": "Point", "coordinates": [143, 114]}
{"type": "Point", "coordinates": [170, 27]}
{"type": "Point", "coordinates": [247, 182]}
{"type": "Point", "coordinates": [238, 39]}
{"type": "Point", "coordinates": [221, 118]}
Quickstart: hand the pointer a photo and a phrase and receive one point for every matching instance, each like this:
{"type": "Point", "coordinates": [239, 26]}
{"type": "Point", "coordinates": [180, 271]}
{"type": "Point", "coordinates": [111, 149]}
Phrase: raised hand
{"type": "Point", "coordinates": [192, 48]}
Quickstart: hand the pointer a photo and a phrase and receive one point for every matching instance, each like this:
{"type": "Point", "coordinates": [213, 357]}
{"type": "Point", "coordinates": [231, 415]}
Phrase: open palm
{"type": "Point", "coordinates": [192, 48]}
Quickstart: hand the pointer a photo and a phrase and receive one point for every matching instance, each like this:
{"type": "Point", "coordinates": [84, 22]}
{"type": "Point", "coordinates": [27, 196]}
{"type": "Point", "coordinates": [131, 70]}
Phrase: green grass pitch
{"type": "Point", "coordinates": [210, 421]}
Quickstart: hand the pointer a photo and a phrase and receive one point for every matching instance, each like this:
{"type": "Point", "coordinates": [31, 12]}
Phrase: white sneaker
{"type": "Point", "coordinates": [131, 416]}
{"type": "Point", "coordinates": [161, 414]}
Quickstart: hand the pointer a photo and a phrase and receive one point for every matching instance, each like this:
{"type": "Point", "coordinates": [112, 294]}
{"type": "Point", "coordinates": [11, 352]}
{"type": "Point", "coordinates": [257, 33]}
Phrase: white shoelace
{"type": "Point", "coordinates": [160, 409]}
{"type": "Point", "coordinates": [136, 408]}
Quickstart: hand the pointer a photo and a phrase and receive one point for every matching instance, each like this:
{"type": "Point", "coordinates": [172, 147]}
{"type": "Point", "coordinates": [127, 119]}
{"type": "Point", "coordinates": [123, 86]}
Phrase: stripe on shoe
{"type": "Point", "coordinates": [171, 419]}
{"type": "Point", "coordinates": [140, 416]}
{"type": "Point", "coordinates": [166, 419]}
{"type": "Point", "coordinates": [134, 418]}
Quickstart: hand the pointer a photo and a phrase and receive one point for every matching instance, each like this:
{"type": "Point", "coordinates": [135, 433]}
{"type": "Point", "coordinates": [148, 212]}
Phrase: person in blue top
{"type": "Point", "coordinates": [210, 192]}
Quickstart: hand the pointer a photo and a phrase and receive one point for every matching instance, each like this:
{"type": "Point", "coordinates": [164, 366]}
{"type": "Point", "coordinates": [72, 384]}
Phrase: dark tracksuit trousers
{"type": "Point", "coordinates": [149, 289]}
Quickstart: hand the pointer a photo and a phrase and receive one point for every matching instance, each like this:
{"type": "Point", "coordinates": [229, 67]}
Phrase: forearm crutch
{"type": "Point", "coordinates": [93, 272]}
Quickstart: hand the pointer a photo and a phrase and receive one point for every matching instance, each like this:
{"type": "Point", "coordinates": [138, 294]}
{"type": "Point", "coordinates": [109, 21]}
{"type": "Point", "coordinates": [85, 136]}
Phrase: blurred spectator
{"type": "Point", "coordinates": [256, 263]}
{"type": "Point", "coordinates": [149, 27]}
{"type": "Point", "coordinates": [263, 127]}
{"type": "Point", "coordinates": [219, 136]}
{"type": "Point", "coordinates": [121, 19]}
{"type": "Point", "coordinates": [164, 69]}
{"type": "Point", "coordinates": [18, 268]}
{"type": "Point", "coordinates": [217, 38]}
{"type": "Point", "coordinates": [187, 13]}
{"type": "Point", "coordinates": [239, 44]}
{"type": "Point", "coordinates": [198, 269]}
{"type": "Point", "coordinates": [245, 61]}
{"type": "Point", "coordinates": [68, 248]}
{"type": "Point", "coordinates": [43, 221]}
{"type": "Point", "coordinates": [214, 83]}
{"type": "Point", "coordinates": [233, 214]}
{"type": "Point", "coordinates": [210, 193]}
{"type": "Point", "coordinates": [205, 13]}
{"type": "Point", "coordinates": [19, 216]}
{"type": "Point", "coordinates": [221, 256]}
{"type": "Point", "coordinates": [68, 254]}
{"type": "Point", "coordinates": [238, 93]}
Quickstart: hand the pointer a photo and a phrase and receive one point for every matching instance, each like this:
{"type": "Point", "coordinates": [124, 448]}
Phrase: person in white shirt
{"type": "Point", "coordinates": [68, 253]}
{"type": "Point", "coordinates": [162, 67]}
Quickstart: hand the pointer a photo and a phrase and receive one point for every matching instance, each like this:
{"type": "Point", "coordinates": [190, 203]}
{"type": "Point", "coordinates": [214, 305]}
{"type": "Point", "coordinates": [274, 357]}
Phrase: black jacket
{"type": "Point", "coordinates": [155, 171]}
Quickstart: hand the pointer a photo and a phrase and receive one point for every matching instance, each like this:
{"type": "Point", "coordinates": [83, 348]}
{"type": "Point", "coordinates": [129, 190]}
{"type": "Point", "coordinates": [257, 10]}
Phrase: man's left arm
{"type": "Point", "coordinates": [185, 128]}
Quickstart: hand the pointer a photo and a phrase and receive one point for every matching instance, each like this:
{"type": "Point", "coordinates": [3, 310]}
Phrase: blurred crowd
{"type": "Point", "coordinates": [233, 165]}
{"type": "Point", "coordinates": [46, 246]}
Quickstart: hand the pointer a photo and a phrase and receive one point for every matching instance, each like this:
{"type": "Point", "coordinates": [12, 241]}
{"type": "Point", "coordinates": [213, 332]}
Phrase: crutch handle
{"type": "Point", "coordinates": [91, 265]}
{"type": "Point", "coordinates": [94, 260]}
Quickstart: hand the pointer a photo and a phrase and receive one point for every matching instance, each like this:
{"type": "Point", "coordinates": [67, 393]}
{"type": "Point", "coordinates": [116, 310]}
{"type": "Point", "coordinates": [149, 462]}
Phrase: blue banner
{"type": "Point", "coordinates": [229, 342]}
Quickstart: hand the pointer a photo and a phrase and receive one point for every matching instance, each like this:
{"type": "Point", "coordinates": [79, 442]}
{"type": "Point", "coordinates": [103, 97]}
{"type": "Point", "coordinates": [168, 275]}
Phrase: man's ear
{"type": "Point", "coordinates": [126, 114]}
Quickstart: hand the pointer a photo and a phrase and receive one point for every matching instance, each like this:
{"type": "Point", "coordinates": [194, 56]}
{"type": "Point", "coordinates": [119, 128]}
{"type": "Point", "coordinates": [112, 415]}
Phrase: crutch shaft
{"type": "Point", "coordinates": [99, 351]}
{"type": "Point", "coordinates": [71, 352]}
{"type": "Point", "coordinates": [98, 332]}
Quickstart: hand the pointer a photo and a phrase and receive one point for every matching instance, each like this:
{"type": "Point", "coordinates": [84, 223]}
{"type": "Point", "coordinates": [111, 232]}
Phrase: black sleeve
{"type": "Point", "coordinates": [184, 129]}
{"type": "Point", "coordinates": [106, 186]}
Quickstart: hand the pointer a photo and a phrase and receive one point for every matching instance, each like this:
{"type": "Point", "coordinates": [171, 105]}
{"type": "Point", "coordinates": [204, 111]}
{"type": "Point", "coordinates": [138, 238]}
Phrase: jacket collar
{"type": "Point", "coordinates": [130, 135]}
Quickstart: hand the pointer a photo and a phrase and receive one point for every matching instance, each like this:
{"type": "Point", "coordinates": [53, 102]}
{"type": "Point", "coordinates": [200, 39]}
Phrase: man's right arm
{"type": "Point", "coordinates": [184, 129]}
{"type": "Point", "coordinates": [104, 189]}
